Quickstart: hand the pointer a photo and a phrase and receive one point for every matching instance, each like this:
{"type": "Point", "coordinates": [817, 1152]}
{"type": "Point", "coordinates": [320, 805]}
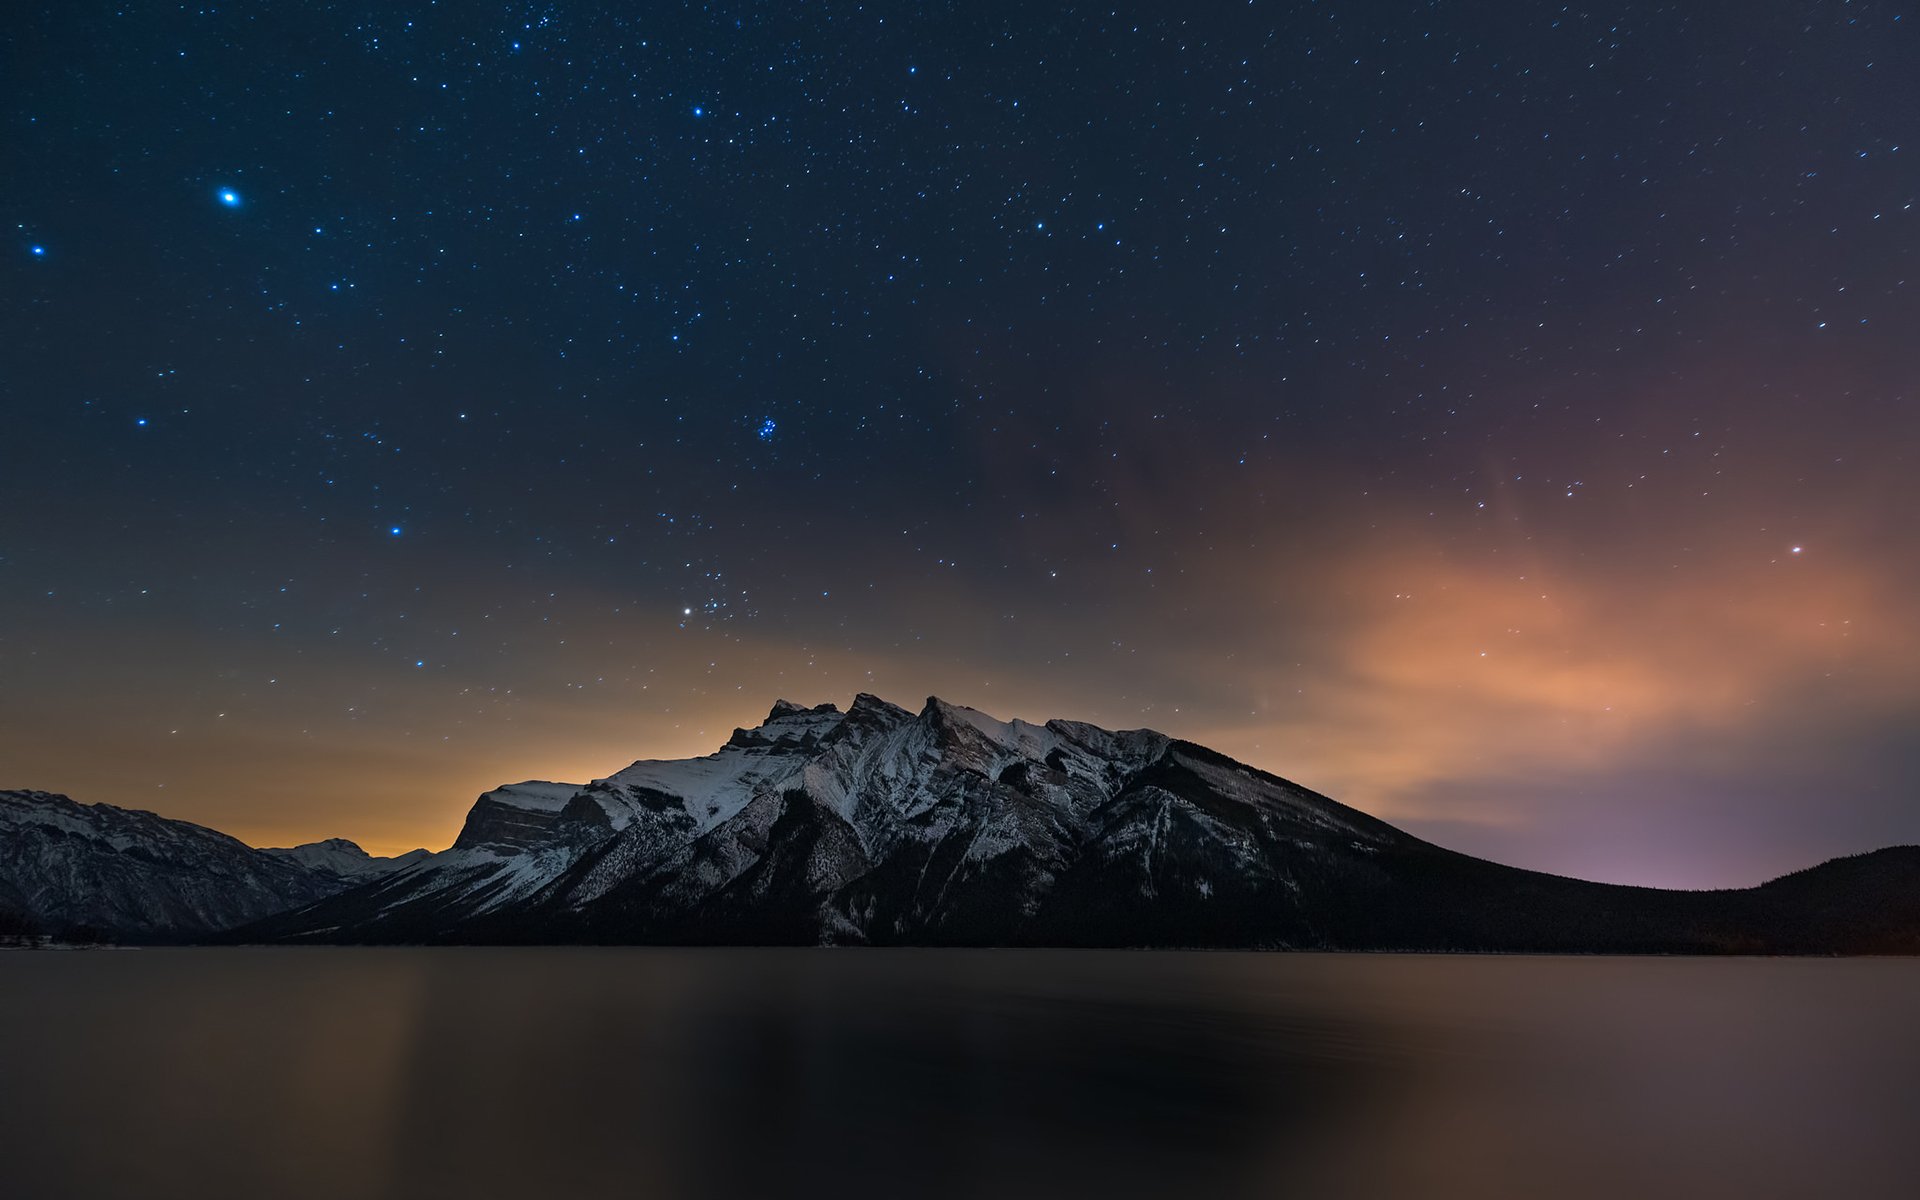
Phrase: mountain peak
{"type": "Point", "coordinates": [936, 709]}
{"type": "Point", "coordinates": [869, 713]}
{"type": "Point", "coordinates": [868, 704]}
{"type": "Point", "coordinates": [783, 709]}
{"type": "Point", "coordinates": [943, 714]}
{"type": "Point", "coordinates": [343, 858]}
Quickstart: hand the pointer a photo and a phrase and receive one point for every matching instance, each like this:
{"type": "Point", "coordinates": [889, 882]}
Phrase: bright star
{"type": "Point", "coordinates": [698, 111]}
{"type": "Point", "coordinates": [394, 532]}
{"type": "Point", "coordinates": [766, 430]}
{"type": "Point", "coordinates": [1797, 549]}
{"type": "Point", "coordinates": [37, 251]}
{"type": "Point", "coordinates": [230, 198]}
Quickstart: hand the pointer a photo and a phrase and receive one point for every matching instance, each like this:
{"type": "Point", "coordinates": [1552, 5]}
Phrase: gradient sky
{"type": "Point", "coordinates": [1502, 419]}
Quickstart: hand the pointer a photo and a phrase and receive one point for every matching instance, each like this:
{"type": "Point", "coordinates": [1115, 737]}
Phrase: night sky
{"type": "Point", "coordinates": [1499, 417]}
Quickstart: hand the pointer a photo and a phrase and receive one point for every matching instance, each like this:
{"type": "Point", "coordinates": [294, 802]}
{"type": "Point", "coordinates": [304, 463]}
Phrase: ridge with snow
{"type": "Point", "coordinates": [882, 825]}
{"type": "Point", "coordinates": [93, 871]}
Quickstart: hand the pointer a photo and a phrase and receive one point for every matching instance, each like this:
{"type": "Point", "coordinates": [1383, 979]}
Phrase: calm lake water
{"type": "Point", "coordinates": [560, 1072]}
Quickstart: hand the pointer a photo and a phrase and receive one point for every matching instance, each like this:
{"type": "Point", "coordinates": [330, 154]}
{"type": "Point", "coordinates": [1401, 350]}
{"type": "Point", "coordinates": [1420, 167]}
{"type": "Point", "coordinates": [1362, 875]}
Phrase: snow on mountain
{"type": "Point", "coordinates": [94, 870]}
{"type": "Point", "coordinates": [520, 838]}
{"type": "Point", "coordinates": [884, 825]}
{"type": "Point", "coordinates": [345, 859]}
{"type": "Point", "coordinates": [875, 824]}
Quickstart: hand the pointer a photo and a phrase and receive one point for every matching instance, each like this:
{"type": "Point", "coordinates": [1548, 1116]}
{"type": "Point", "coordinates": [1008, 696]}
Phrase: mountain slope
{"type": "Point", "coordinates": [946, 827]}
{"type": "Point", "coordinates": [91, 871]}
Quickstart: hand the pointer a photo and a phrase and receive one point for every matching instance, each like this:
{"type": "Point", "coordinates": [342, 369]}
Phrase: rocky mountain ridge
{"type": "Point", "coordinates": [886, 826]}
{"type": "Point", "coordinates": [90, 872]}
{"type": "Point", "coordinates": [881, 825]}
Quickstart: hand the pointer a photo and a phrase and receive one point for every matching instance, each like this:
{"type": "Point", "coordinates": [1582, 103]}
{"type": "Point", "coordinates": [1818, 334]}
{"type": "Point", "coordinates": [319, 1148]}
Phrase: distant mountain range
{"type": "Point", "coordinates": [883, 826]}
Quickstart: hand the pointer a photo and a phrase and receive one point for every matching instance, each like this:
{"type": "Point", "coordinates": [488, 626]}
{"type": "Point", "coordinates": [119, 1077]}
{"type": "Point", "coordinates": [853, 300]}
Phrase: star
{"type": "Point", "coordinates": [37, 251]}
{"type": "Point", "coordinates": [229, 198]}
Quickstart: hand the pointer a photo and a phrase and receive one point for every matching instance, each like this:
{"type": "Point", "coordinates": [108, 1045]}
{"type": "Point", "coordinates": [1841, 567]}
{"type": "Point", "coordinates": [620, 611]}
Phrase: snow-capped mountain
{"type": "Point", "coordinates": [882, 825]}
{"type": "Point", "coordinates": [873, 825]}
{"type": "Point", "coordinates": [93, 870]}
{"type": "Point", "coordinates": [344, 860]}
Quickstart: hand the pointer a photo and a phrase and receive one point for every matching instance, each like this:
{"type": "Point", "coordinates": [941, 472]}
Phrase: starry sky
{"type": "Point", "coordinates": [1500, 418]}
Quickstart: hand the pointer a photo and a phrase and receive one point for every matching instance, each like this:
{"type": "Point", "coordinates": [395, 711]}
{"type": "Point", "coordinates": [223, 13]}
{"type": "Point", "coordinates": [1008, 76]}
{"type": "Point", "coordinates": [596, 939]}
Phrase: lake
{"type": "Point", "coordinates": [559, 1072]}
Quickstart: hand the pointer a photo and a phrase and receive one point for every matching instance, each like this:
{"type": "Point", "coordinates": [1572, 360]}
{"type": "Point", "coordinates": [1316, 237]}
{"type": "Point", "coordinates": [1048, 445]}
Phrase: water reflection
{"type": "Point", "coordinates": [550, 1072]}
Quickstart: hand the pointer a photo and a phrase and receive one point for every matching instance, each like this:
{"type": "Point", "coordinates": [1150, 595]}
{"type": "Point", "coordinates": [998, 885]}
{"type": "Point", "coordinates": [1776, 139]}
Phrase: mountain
{"type": "Point", "coordinates": [345, 860]}
{"type": "Point", "coordinates": [885, 826]}
{"type": "Point", "coordinates": [92, 871]}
